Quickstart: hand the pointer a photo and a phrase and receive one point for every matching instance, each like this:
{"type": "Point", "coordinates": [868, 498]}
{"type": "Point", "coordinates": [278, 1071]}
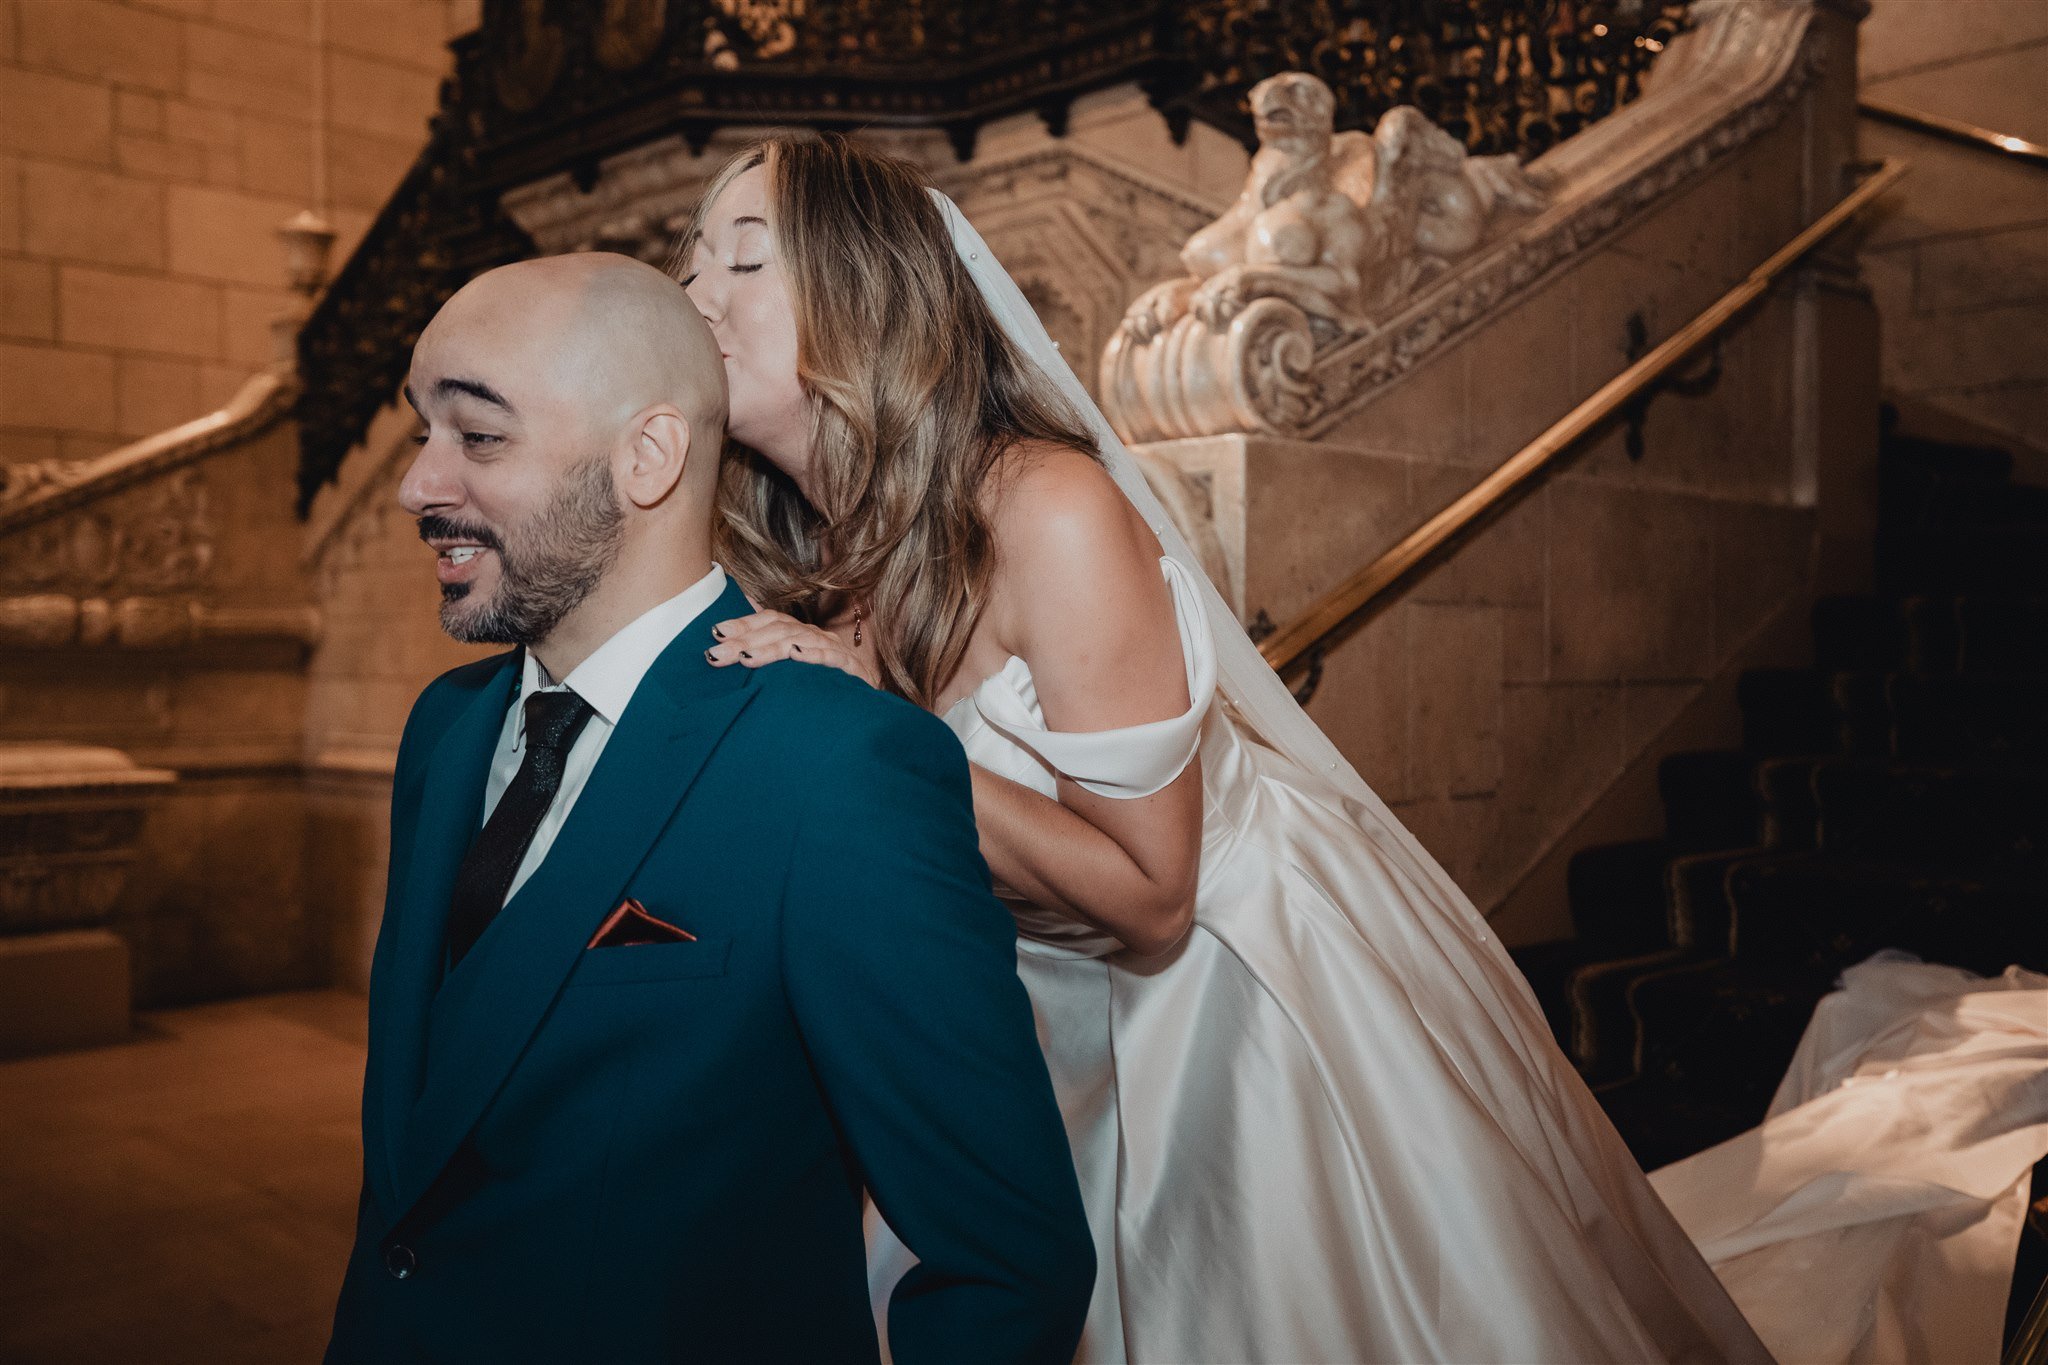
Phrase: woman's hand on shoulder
{"type": "Point", "coordinates": [768, 636]}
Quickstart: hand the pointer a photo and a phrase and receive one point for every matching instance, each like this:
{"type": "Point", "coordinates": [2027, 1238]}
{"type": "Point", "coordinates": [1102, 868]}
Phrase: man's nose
{"type": "Point", "coordinates": [430, 485]}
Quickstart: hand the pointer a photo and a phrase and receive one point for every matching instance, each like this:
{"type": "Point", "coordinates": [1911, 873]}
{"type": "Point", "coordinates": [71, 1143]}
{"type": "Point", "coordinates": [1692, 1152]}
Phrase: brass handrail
{"type": "Point", "coordinates": [1289, 643]}
{"type": "Point", "coordinates": [1955, 130]}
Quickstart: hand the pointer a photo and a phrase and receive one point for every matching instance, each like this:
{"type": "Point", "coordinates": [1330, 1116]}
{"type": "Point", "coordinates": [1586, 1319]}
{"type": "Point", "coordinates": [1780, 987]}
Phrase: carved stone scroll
{"type": "Point", "coordinates": [1332, 231]}
{"type": "Point", "coordinates": [1371, 253]}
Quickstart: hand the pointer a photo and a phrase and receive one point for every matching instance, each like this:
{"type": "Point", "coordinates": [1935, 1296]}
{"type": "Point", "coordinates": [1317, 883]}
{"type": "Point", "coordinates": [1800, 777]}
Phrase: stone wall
{"type": "Point", "coordinates": [214, 903]}
{"type": "Point", "coordinates": [1519, 693]}
{"type": "Point", "coordinates": [1960, 262]}
{"type": "Point", "coordinates": [148, 150]}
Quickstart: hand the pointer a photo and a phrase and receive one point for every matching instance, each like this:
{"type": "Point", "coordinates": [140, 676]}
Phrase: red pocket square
{"type": "Point", "coordinates": [631, 924]}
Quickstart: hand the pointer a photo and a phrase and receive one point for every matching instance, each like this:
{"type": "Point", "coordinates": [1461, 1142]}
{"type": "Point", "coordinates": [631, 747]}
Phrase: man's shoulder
{"type": "Point", "coordinates": [465, 680]}
{"type": "Point", "coordinates": [449, 693]}
{"type": "Point", "coordinates": [832, 713]}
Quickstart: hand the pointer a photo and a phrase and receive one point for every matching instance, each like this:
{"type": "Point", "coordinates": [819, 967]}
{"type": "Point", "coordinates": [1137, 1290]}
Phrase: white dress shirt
{"type": "Point", "coordinates": [607, 680]}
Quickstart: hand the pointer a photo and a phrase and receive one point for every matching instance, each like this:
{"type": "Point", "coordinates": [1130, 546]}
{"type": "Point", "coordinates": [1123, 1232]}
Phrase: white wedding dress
{"type": "Point", "coordinates": [1331, 1125]}
{"type": "Point", "coordinates": [1873, 1217]}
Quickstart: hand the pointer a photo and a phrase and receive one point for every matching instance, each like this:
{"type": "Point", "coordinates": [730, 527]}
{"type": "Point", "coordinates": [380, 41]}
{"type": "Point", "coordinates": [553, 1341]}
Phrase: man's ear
{"type": "Point", "coordinates": [658, 449]}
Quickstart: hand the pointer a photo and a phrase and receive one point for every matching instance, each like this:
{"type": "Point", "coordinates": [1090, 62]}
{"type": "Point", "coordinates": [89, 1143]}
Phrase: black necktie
{"type": "Point", "coordinates": [553, 720]}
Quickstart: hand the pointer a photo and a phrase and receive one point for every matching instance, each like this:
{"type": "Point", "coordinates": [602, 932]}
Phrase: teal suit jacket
{"type": "Point", "coordinates": [658, 1152]}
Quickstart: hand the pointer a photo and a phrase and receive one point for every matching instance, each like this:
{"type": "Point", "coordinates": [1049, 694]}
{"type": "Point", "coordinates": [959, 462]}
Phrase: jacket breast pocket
{"type": "Point", "coordinates": [652, 962]}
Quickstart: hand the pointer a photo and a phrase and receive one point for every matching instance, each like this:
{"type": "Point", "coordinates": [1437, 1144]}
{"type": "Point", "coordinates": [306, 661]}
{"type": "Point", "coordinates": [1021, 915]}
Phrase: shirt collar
{"type": "Point", "coordinates": [609, 677]}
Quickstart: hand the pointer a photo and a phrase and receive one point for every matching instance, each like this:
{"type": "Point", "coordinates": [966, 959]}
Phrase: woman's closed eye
{"type": "Point", "coordinates": [735, 269]}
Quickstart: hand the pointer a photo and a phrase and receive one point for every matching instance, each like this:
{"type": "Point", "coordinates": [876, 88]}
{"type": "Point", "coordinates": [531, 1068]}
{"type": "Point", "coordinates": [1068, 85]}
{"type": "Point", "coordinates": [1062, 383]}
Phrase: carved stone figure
{"type": "Point", "coordinates": [1333, 233]}
{"type": "Point", "coordinates": [1340, 225]}
{"type": "Point", "coordinates": [1349, 260]}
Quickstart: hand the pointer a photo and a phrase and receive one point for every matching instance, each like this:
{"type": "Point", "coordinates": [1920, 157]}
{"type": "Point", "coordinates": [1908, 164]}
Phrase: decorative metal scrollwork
{"type": "Point", "coordinates": [1636, 415]}
{"type": "Point", "coordinates": [1499, 75]}
{"type": "Point", "coordinates": [548, 86]}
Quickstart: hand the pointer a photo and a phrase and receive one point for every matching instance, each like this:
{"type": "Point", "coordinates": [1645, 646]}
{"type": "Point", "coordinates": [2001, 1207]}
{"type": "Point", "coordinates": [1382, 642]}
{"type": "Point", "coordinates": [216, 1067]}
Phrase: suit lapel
{"type": "Point", "coordinates": [444, 822]}
{"type": "Point", "coordinates": [488, 1009]}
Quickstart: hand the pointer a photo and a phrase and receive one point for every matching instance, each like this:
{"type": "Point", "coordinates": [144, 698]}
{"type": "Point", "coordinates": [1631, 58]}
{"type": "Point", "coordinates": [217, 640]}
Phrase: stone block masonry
{"type": "Point", "coordinates": [148, 151]}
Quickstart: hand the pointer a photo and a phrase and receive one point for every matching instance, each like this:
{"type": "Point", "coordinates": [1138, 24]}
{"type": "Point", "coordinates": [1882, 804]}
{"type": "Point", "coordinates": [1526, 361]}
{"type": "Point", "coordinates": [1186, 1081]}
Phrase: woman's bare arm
{"type": "Point", "coordinates": [1080, 597]}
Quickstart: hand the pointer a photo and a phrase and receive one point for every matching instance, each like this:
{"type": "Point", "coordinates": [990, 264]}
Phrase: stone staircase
{"type": "Point", "coordinates": [1892, 795]}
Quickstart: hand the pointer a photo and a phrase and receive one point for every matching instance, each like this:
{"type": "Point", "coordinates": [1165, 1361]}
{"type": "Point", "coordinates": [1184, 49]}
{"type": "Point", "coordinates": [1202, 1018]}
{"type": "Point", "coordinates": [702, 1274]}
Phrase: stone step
{"type": "Point", "coordinates": [1989, 819]}
{"type": "Point", "coordinates": [1604, 1034]}
{"type": "Point", "coordinates": [1966, 559]}
{"type": "Point", "coordinates": [1665, 1121]}
{"type": "Point", "coordinates": [1795, 712]}
{"type": "Point", "coordinates": [1617, 897]}
{"type": "Point", "coordinates": [2000, 634]}
{"type": "Point", "coordinates": [1548, 968]}
{"type": "Point", "coordinates": [1790, 819]}
{"type": "Point", "coordinates": [1858, 632]}
{"type": "Point", "coordinates": [1986, 717]}
{"type": "Point", "coordinates": [1820, 913]}
{"type": "Point", "coordinates": [1709, 799]}
{"type": "Point", "coordinates": [1699, 913]}
{"type": "Point", "coordinates": [1932, 634]}
{"type": "Point", "coordinates": [1722, 1033]}
{"type": "Point", "coordinates": [1917, 501]}
{"type": "Point", "coordinates": [1917, 456]}
{"type": "Point", "coordinates": [1863, 711]}
{"type": "Point", "coordinates": [1789, 711]}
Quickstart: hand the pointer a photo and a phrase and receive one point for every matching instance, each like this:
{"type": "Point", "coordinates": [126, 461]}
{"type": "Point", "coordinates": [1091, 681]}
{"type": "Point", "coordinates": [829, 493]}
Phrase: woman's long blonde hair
{"type": "Point", "coordinates": [916, 393]}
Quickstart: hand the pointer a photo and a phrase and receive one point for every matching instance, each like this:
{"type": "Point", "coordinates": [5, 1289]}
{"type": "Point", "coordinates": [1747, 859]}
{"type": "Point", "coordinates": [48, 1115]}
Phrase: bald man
{"type": "Point", "coordinates": [677, 962]}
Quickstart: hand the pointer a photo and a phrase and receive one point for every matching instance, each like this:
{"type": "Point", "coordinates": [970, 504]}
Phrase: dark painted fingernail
{"type": "Point", "coordinates": [709, 657]}
{"type": "Point", "coordinates": [798, 648]}
{"type": "Point", "coordinates": [745, 655]}
{"type": "Point", "coordinates": [717, 634]}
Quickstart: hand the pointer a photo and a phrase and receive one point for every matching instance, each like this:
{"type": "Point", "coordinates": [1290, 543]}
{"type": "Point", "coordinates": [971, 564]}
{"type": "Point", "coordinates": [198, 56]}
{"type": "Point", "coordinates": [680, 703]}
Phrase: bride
{"type": "Point", "coordinates": [1315, 1111]}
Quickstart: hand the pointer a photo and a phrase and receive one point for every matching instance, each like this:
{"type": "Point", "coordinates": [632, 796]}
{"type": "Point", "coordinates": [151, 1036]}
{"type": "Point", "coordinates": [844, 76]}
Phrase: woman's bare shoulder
{"type": "Point", "coordinates": [1051, 500]}
{"type": "Point", "coordinates": [1067, 542]}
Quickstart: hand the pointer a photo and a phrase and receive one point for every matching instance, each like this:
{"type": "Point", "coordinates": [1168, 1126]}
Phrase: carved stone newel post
{"type": "Point", "coordinates": [70, 820]}
{"type": "Point", "coordinates": [1332, 232]}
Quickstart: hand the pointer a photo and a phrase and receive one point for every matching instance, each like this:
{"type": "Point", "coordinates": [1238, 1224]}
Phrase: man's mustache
{"type": "Point", "coordinates": [446, 528]}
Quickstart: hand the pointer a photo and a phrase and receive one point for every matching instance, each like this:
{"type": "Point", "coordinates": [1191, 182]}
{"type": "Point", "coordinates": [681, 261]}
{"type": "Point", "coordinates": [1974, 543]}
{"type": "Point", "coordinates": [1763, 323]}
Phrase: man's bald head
{"type": "Point", "coordinates": [572, 411]}
{"type": "Point", "coordinates": [604, 332]}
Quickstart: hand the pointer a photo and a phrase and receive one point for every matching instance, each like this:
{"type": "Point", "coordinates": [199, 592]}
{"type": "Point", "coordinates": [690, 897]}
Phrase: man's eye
{"type": "Point", "coordinates": [478, 438]}
{"type": "Point", "coordinates": [419, 438]}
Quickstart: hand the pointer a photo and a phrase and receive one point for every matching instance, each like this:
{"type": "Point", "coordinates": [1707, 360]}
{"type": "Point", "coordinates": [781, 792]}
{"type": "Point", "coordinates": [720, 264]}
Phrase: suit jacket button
{"type": "Point", "coordinates": [399, 1260]}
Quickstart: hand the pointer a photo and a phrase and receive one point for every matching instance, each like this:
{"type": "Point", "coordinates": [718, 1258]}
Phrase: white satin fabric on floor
{"type": "Point", "coordinates": [1332, 1124]}
{"type": "Point", "coordinates": [1873, 1216]}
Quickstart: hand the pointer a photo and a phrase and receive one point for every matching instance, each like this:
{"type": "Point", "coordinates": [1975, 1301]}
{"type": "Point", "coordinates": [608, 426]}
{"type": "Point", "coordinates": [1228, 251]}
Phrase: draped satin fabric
{"type": "Point", "coordinates": [1874, 1214]}
{"type": "Point", "coordinates": [1331, 1124]}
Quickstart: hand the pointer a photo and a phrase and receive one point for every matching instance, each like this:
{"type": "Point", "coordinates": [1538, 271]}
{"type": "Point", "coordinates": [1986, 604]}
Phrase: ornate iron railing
{"type": "Point", "coordinates": [547, 86]}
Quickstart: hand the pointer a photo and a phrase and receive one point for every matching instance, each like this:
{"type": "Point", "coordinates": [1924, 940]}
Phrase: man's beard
{"type": "Point", "coordinates": [556, 559]}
